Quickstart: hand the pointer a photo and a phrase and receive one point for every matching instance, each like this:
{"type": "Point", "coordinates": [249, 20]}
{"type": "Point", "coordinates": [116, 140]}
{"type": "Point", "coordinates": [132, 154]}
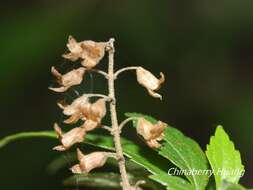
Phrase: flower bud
{"type": "Point", "coordinates": [152, 133]}
{"type": "Point", "coordinates": [89, 162]}
{"type": "Point", "coordinates": [89, 52]}
{"type": "Point", "coordinates": [75, 135]}
{"type": "Point", "coordinates": [149, 81]}
{"type": "Point", "coordinates": [69, 79]}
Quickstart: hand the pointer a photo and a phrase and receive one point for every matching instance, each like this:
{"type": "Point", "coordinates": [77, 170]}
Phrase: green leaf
{"type": "Point", "coordinates": [172, 182]}
{"type": "Point", "coordinates": [146, 158]}
{"type": "Point", "coordinates": [182, 151]}
{"type": "Point", "coordinates": [187, 155]}
{"type": "Point", "coordinates": [225, 185]}
{"type": "Point", "coordinates": [224, 159]}
{"type": "Point", "coordinates": [108, 180]}
{"type": "Point", "coordinates": [98, 180]}
{"type": "Point", "coordinates": [26, 135]}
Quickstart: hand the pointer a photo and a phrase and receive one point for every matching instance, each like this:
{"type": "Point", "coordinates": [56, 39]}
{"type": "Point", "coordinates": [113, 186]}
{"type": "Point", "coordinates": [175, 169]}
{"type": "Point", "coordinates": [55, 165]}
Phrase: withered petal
{"type": "Point", "coordinates": [76, 169]}
{"type": "Point", "coordinates": [80, 155]}
{"type": "Point", "coordinates": [89, 63]}
{"type": "Point", "coordinates": [75, 135]}
{"type": "Point", "coordinates": [161, 80]}
{"type": "Point", "coordinates": [71, 56]}
{"type": "Point", "coordinates": [153, 144]}
{"type": "Point", "coordinates": [89, 125]}
{"type": "Point", "coordinates": [56, 73]}
{"type": "Point", "coordinates": [154, 94]}
{"type": "Point", "coordinates": [58, 131]}
{"type": "Point", "coordinates": [62, 104]}
{"type": "Point", "coordinates": [59, 89]}
{"type": "Point", "coordinates": [73, 119]}
{"type": "Point", "coordinates": [59, 148]}
{"type": "Point", "coordinates": [98, 109]}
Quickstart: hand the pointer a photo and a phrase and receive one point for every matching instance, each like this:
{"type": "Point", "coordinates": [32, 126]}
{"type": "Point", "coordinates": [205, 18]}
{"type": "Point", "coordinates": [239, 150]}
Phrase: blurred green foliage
{"type": "Point", "coordinates": [204, 48]}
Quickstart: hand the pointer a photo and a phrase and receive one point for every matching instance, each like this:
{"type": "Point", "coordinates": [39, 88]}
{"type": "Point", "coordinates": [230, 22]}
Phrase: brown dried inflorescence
{"type": "Point", "coordinates": [89, 52]}
{"type": "Point", "coordinates": [152, 133]}
{"type": "Point", "coordinates": [89, 162]}
{"type": "Point", "coordinates": [149, 81]}
{"type": "Point", "coordinates": [72, 78]}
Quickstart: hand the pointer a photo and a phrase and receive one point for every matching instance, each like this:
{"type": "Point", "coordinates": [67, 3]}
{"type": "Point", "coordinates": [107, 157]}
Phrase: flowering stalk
{"type": "Point", "coordinates": [91, 114]}
{"type": "Point", "coordinates": [114, 119]}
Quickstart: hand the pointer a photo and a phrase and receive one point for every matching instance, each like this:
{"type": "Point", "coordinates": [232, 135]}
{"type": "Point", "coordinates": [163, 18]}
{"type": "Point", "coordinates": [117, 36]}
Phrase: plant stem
{"type": "Point", "coordinates": [123, 123]}
{"type": "Point", "coordinates": [107, 98]}
{"type": "Point", "coordinates": [100, 72]}
{"type": "Point", "coordinates": [123, 70]}
{"type": "Point", "coordinates": [114, 120]}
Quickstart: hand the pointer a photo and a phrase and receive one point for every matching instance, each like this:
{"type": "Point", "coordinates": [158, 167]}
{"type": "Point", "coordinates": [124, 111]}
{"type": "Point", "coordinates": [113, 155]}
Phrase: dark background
{"type": "Point", "coordinates": [205, 49]}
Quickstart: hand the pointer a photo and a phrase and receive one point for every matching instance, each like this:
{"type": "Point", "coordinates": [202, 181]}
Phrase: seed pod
{"type": "Point", "coordinates": [75, 135]}
{"type": "Point", "coordinates": [89, 162]}
{"type": "Point", "coordinates": [72, 78]}
{"type": "Point", "coordinates": [149, 81]}
{"type": "Point", "coordinates": [152, 133]}
{"type": "Point", "coordinates": [89, 52]}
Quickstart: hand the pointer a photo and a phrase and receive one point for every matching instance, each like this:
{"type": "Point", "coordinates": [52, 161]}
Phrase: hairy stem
{"type": "Point", "coordinates": [115, 125]}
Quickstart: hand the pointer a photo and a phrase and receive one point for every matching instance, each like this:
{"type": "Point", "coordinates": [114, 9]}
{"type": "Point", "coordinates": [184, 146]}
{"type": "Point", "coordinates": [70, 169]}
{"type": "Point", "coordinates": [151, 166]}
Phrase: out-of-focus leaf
{"type": "Point", "coordinates": [107, 181]}
{"type": "Point", "coordinates": [182, 151]}
{"type": "Point", "coordinates": [60, 162]}
{"type": "Point", "coordinates": [224, 159]}
{"type": "Point", "coordinates": [147, 158]}
{"type": "Point", "coordinates": [42, 134]}
{"type": "Point", "coordinates": [97, 180]}
{"type": "Point", "coordinates": [225, 185]}
{"type": "Point", "coordinates": [172, 182]}
{"type": "Point", "coordinates": [211, 184]}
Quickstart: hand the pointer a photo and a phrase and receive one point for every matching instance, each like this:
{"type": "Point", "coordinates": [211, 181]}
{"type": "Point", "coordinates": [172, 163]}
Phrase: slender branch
{"type": "Point", "coordinates": [124, 69]}
{"type": "Point", "coordinates": [123, 123]}
{"type": "Point", "coordinates": [107, 98]}
{"type": "Point", "coordinates": [111, 154]}
{"type": "Point", "coordinates": [100, 72]}
{"type": "Point", "coordinates": [138, 183]}
{"type": "Point", "coordinates": [114, 119]}
{"type": "Point", "coordinates": [107, 128]}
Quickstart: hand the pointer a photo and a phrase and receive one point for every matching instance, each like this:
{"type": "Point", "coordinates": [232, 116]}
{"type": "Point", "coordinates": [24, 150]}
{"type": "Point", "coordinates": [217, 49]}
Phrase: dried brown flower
{"type": "Point", "coordinates": [76, 109]}
{"type": "Point", "coordinates": [82, 109]}
{"type": "Point", "coordinates": [149, 81]}
{"type": "Point", "coordinates": [89, 52]}
{"type": "Point", "coordinates": [75, 135]}
{"type": "Point", "coordinates": [89, 162]}
{"type": "Point", "coordinates": [69, 79]}
{"type": "Point", "coordinates": [152, 133]}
